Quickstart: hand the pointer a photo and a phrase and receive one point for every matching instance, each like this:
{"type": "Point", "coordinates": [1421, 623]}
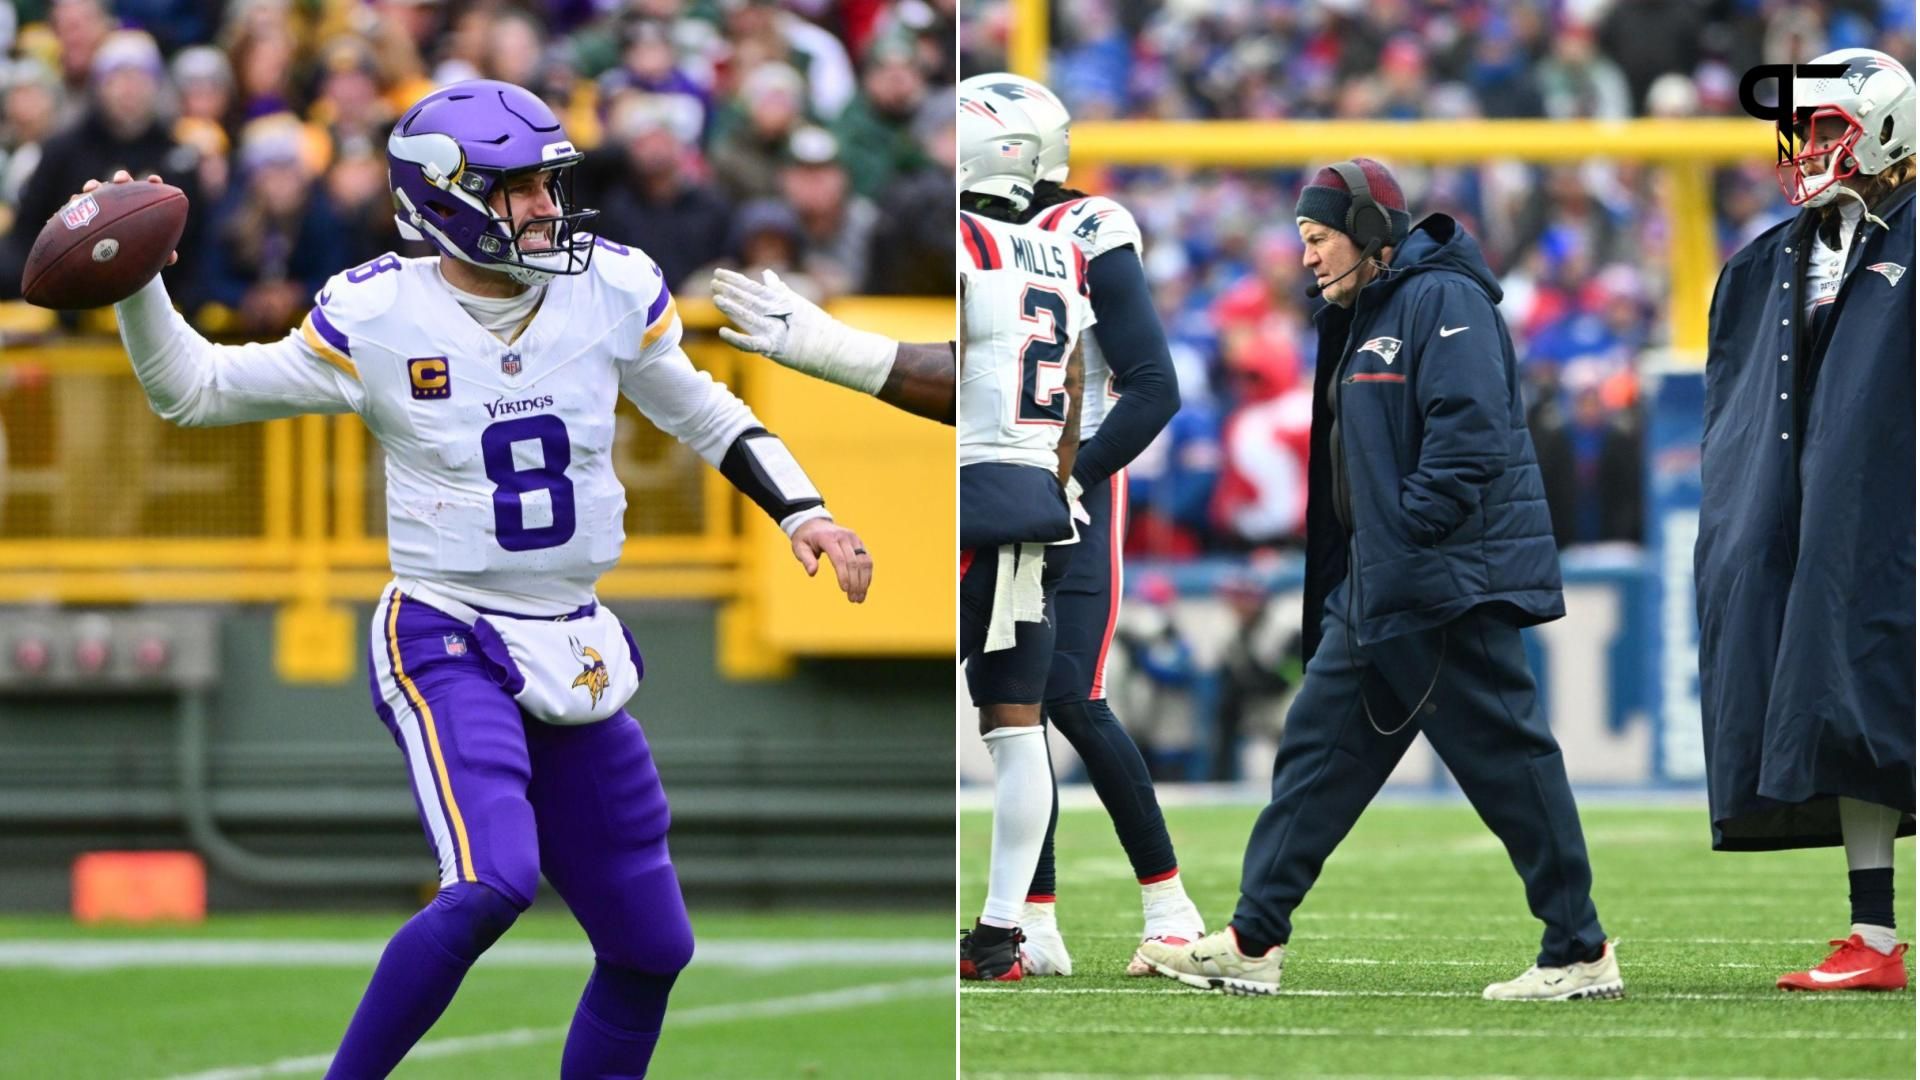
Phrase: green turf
{"type": "Point", "coordinates": [160, 1022]}
{"type": "Point", "coordinates": [1415, 913]}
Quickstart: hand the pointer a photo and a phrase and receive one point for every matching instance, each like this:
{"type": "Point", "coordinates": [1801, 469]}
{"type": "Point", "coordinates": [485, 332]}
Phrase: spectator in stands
{"type": "Point", "coordinates": [646, 196]}
{"type": "Point", "coordinates": [349, 110]}
{"type": "Point", "coordinates": [80, 27]}
{"type": "Point", "coordinates": [121, 129]}
{"type": "Point", "coordinates": [766, 236]}
{"type": "Point", "coordinates": [204, 81]}
{"type": "Point", "coordinates": [1577, 82]}
{"type": "Point", "coordinates": [754, 131]}
{"type": "Point", "coordinates": [876, 132]}
{"type": "Point", "coordinates": [836, 224]}
{"type": "Point", "coordinates": [27, 117]}
{"type": "Point", "coordinates": [650, 64]}
{"type": "Point", "coordinates": [263, 56]}
{"type": "Point", "coordinates": [356, 186]}
{"type": "Point", "coordinates": [278, 240]}
{"type": "Point", "coordinates": [914, 246]}
{"type": "Point", "coordinates": [514, 45]}
{"type": "Point", "coordinates": [760, 31]}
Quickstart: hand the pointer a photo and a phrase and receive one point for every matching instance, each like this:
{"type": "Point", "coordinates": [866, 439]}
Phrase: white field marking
{"type": "Point", "coordinates": [699, 1015]}
{"type": "Point", "coordinates": [1348, 1076]}
{"type": "Point", "coordinates": [732, 955]}
{"type": "Point", "coordinates": [1632, 994]}
{"type": "Point", "coordinates": [1658, 1034]}
{"type": "Point", "coordinates": [1517, 938]}
{"type": "Point", "coordinates": [1254, 794]}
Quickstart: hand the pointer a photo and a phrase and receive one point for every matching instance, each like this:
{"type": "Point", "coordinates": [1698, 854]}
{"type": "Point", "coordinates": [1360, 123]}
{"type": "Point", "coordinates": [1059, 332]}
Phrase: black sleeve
{"type": "Point", "coordinates": [1135, 346]}
{"type": "Point", "coordinates": [782, 490]}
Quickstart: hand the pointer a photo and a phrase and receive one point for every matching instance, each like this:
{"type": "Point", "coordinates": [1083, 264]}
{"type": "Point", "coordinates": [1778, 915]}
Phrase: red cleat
{"type": "Point", "coordinates": [1854, 965]}
{"type": "Point", "coordinates": [992, 963]}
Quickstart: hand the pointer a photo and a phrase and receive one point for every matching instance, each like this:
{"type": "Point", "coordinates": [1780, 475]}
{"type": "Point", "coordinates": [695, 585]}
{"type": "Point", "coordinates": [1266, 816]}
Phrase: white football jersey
{"type": "Point", "coordinates": [1025, 309]}
{"type": "Point", "coordinates": [1096, 225]}
{"type": "Point", "coordinates": [501, 489]}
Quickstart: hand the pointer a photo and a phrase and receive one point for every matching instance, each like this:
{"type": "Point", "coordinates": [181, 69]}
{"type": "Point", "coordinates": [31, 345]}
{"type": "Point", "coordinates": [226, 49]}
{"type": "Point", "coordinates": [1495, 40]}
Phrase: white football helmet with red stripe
{"type": "Point", "coordinates": [1861, 125]}
{"type": "Point", "coordinates": [999, 151]}
{"type": "Point", "coordinates": [1049, 115]}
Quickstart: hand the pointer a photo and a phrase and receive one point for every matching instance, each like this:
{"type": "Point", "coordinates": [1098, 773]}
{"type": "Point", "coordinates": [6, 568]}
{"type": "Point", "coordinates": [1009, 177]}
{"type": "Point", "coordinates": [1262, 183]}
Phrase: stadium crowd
{"type": "Point", "coordinates": [1579, 248]}
{"type": "Point", "coordinates": [812, 137]}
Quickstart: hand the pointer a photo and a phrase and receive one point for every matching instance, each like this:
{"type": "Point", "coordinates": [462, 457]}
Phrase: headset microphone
{"type": "Point", "coordinates": [1314, 290]}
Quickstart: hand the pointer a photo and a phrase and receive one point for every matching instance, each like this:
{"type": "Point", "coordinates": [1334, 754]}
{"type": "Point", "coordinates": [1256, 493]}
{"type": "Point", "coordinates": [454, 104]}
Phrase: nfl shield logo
{"type": "Point", "coordinates": [510, 364]}
{"type": "Point", "coordinates": [456, 644]}
{"type": "Point", "coordinates": [79, 212]}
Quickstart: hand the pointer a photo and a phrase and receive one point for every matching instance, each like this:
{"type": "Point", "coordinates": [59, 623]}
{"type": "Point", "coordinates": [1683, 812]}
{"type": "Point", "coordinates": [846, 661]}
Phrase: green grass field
{"type": "Point", "coordinates": [1413, 915]}
{"type": "Point", "coordinates": [797, 995]}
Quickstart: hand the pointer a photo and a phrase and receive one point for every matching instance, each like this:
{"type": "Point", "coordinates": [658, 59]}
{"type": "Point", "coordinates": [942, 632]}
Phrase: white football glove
{"type": "Point", "coordinates": [777, 322]}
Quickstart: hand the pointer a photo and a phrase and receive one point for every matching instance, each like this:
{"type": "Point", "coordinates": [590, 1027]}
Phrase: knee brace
{"type": "Point", "coordinates": [466, 918]}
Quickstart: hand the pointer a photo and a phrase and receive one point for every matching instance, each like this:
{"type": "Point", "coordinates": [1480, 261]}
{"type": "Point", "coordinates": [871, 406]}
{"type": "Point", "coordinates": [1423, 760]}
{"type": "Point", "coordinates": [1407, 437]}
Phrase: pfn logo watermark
{"type": "Point", "coordinates": [1782, 112]}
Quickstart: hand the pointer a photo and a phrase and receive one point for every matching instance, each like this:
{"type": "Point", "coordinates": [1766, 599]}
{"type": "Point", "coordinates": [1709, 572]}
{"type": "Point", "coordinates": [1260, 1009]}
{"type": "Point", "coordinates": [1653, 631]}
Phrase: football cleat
{"type": "Point", "coordinates": [1854, 965]}
{"type": "Point", "coordinates": [990, 963]}
{"type": "Point", "coordinates": [1044, 952]}
{"type": "Point", "coordinates": [1215, 962]}
{"type": "Point", "coordinates": [1575, 982]}
{"type": "Point", "coordinates": [1171, 919]}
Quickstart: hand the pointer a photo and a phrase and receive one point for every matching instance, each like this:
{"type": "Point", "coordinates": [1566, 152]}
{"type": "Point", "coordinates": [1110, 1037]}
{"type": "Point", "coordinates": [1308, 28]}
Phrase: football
{"type": "Point", "coordinates": [102, 247]}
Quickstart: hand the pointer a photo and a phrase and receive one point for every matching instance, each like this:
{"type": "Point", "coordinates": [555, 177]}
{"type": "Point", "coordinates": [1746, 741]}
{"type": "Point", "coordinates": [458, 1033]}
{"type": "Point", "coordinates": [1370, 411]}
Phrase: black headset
{"type": "Point", "coordinates": [1367, 220]}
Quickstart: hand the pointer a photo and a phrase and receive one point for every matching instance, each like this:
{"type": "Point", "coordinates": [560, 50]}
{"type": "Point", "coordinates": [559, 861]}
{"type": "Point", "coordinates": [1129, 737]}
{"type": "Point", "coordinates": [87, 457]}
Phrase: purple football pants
{"type": "Point", "coordinates": [504, 798]}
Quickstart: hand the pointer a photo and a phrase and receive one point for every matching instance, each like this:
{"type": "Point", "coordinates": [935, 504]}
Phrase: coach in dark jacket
{"type": "Point", "coordinates": [1428, 547]}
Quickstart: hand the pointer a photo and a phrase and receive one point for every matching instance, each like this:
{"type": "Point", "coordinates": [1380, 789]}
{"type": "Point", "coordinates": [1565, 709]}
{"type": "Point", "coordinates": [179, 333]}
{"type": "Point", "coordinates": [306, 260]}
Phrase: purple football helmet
{"type": "Point", "coordinates": [458, 145]}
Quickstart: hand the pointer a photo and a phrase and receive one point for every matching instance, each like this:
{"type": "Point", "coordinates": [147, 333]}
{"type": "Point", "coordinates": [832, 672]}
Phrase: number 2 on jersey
{"type": "Point", "coordinates": [514, 482]}
{"type": "Point", "coordinates": [1043, 357]}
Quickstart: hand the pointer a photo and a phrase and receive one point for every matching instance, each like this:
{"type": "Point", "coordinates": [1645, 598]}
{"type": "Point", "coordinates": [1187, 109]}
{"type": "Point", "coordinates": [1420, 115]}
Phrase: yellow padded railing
{"type": "Point", "coordinates": [102, 502]}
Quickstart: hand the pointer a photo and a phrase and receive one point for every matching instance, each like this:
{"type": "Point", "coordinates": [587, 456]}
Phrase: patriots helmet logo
{"type": "Point", "coordinates": [1386, 348]}
{"type": "Point", "coordinates": [1890, 271]}
{"type": "Point", "coordinates": [593, 674]}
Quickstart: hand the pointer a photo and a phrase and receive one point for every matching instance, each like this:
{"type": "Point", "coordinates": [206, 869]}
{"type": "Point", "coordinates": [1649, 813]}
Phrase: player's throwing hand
{"type": "Point", "coordinates": [125, 177]}
{"type": "Point", "coordinates": [842, 547]}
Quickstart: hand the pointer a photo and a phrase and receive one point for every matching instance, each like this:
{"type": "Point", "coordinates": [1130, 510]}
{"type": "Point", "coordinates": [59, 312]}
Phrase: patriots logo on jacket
{"type": "Point", "coordinates": [1891, 271]}
{"type": "Point", "coordinates": [593, 674]}
{"type": "Point", "coordinates": [1386, 348]}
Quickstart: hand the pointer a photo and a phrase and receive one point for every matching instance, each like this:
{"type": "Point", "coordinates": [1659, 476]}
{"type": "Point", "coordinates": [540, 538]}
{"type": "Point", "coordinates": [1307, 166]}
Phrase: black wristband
{"type": "Point", "coordinates": [760, 465]}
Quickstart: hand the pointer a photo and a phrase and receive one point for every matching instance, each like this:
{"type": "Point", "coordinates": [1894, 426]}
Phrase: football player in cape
{"type": "Point", "coordinates": [1803, 570]}
{"type": "Point", "coordinates": [489, 374]}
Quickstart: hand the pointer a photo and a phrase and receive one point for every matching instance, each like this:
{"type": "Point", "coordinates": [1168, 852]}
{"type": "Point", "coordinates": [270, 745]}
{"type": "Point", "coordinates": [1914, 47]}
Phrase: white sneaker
{"type": "Point", "coordinates": [1598, 979]}
{"type": "Point", "coordinates": [1215, 962]}
{"type": "Point", "coordinates": [1045, 952]}
{"type": "Point", "coordinates": [1171, 919]}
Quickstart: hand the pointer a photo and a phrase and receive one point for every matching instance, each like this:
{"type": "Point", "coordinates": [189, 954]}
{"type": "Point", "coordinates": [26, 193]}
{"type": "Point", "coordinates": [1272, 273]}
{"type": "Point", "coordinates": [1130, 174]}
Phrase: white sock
{"type": "Point", "coordinates": [1880, 939]}
{"type": "Point", "coordinates": [1022, 802]}
{"type": "Point", "coordinates": [1867, 831]}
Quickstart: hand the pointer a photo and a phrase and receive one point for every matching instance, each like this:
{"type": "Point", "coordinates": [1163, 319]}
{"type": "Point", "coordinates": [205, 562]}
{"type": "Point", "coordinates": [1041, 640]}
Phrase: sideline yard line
{"type": "Point", "coordinates": [771, 954]}
{"type": "Point", "coordinates": [1518, 937]}
{"type": "Point", "coordinates": [824, 1001]}
{"type": "Point", "coordinates": [1445, 1033]}
{"type": "Point", "coordinates": [1354, 1076]}
{"type": "Point", "coordinates": [1632, 995]}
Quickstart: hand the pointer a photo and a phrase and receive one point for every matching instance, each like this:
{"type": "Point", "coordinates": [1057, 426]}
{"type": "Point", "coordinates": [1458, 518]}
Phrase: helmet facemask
{"type": "Point", "coordinates": [1829, 146]}
{"type": "Point", "coordinates": [451, 205]}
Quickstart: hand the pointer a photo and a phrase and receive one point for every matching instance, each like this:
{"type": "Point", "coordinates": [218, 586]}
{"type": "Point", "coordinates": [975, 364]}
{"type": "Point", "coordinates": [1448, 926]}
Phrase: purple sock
{"type": "Point", "coordinates": [418, 973]}
{"type": "Point", "coordinates": [616, 1024]}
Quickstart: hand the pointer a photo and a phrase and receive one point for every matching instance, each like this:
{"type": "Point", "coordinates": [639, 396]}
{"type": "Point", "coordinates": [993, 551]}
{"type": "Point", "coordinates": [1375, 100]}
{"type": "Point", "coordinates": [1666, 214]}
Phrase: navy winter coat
{"type": "Point", "coordinates": [1421, 471]}
{"type": "Point", "coordinates": [1804, 566]}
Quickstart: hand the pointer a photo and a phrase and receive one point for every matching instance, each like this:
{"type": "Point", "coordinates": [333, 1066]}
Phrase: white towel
{"type": "Point", "coordinates": [1018, 595]}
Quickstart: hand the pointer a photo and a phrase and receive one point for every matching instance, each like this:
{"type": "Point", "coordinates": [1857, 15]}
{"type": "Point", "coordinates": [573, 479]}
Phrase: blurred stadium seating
{"type": "Point", "coordinates": [1597, 150]}
{"type": "Point", "coordinates": [812, 138]}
